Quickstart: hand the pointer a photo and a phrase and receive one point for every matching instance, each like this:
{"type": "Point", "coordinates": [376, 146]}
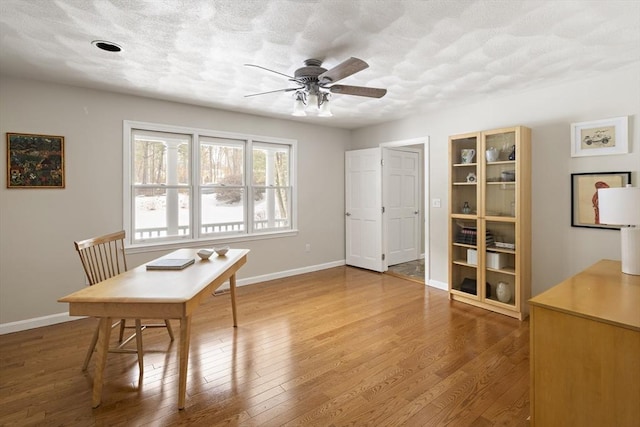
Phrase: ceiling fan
{"type": "Point", "coordinates": [315, 84]}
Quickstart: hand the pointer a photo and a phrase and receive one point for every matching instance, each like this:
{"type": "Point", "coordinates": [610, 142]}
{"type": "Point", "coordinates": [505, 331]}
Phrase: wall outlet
{"type": "Point", "coordinates": [307, 247]}
{"type": "Point", "coordinates": [435, 203]}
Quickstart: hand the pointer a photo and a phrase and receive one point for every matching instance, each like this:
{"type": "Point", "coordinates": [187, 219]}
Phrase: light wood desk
{"type": "Point", "coordinates": [161, 294]}
{"type": "Point", "coordinates": [585, 350]}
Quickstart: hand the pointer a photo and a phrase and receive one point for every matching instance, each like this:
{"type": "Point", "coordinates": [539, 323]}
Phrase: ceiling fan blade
{"type": "Point", "coordinates": [266, 69]}
{"type": "Point", "coordinates": [342, 70]}
{"type": "Point", "coordinates": [371, 92]}
{"type": "Point", "coordinates": [274, 91]}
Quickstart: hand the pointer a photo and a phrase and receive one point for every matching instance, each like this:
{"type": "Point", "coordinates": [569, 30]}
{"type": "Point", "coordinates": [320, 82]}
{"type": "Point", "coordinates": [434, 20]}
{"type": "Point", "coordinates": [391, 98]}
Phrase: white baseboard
{"type": "Point", "coordinates": [37, 322]}
{"type": "Point", "coordinates": [438, 285]}
{"type": "Point", "coordinates": [288, 273]}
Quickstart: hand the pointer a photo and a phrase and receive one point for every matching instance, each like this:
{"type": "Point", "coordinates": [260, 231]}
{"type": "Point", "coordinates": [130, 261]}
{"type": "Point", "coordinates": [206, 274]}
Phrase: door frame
{"type": "Point", "coordinates": [424, 141]}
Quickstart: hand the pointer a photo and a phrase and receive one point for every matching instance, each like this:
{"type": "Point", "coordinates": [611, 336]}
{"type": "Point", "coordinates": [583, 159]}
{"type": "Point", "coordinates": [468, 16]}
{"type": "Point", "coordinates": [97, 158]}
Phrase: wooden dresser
{"type": "Point", "coordinates": [585, 350]}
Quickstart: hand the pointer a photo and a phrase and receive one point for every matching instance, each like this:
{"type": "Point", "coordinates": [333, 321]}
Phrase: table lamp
{"type": "Point", "coordinates": [621, 206]}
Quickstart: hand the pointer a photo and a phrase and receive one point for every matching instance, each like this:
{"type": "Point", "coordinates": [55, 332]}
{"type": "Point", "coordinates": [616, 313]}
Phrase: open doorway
{"type": "Point", "coordinates": [369, 236]}
{"type": "Point", "coordinates": [411, 270]}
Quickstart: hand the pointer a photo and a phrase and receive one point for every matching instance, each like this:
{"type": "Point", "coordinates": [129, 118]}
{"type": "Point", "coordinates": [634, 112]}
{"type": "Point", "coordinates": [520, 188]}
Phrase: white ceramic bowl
{"type": "Point", "coordinates": [222, 250]}
{"type": "Point", "coordinates": [205, 253]}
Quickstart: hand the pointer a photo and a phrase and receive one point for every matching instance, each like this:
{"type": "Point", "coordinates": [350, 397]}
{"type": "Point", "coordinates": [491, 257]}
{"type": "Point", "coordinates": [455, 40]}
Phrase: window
{"type": "Point", "coordinates": [190, 184]}
{"type": "Point", "coordinates": [270, 186]}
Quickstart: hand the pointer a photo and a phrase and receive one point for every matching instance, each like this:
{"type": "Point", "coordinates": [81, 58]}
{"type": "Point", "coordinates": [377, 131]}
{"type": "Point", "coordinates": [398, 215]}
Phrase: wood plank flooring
{"type": "Point", "coordinates": [338, 347]}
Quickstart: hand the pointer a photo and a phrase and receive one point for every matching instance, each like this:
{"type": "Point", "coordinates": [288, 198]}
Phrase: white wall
{"type": "Point", "coordinates": [38, 263]}
{"type": "Point", "coordinates": [37, 227]}
{"type": "Point", "coordinates": [559, 250]}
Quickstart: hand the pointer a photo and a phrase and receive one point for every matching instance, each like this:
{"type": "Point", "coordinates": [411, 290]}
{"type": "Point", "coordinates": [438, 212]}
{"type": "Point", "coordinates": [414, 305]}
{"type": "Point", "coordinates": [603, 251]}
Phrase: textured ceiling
{"type": "Point", "coordinates": [428, 54]}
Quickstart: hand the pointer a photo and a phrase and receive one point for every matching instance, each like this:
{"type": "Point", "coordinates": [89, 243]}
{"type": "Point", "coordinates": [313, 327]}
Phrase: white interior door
{"type": "Point", "coordinates": [401, 201]}
{"type": "Point", "coordinates": [363, 203]}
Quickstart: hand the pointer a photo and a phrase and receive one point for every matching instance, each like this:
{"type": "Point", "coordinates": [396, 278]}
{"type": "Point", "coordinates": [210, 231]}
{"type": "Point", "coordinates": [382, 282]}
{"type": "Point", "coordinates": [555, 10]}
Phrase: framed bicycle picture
{"type": "Point", "coordinates": [584, 196]}
{"type": "Point", "coordinates": [35, 161]}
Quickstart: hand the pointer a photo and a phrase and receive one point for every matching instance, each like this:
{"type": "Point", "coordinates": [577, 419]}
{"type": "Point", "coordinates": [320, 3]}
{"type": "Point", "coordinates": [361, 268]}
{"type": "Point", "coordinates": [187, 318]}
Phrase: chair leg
{"type": "Point", "coordinates": [92, 347]}
{"type": "Point", "coordinates": [139, 345]}
{"type": "Point", "coordinates": [166, 322]}
{"type": "Point", "coordinates": [123, 324]}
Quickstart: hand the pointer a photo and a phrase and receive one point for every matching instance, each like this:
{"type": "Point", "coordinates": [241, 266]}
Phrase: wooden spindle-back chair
{"type": "Point", "coordinates": [102, 258]}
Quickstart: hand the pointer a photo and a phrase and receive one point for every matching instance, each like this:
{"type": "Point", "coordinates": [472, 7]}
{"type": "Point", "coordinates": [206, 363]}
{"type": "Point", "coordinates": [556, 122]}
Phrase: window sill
{"type": "Point", "coordinates": [227, 240]}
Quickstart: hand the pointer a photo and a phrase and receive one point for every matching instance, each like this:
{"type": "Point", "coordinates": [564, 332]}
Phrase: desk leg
{"type": "Point", "coordinates": [232, 287]}
{"type": "Point", "coordinates": [101, 359]}
{"type": "Point", "coordinates": [185, 336]}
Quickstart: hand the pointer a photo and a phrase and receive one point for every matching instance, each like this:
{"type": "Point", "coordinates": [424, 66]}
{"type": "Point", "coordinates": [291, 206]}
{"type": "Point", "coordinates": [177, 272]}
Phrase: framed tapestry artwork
{"type": "Point", "coordinates": [35, 161]}
{"type": "Point", "coordinates": [584, 196]}
{"type": "Point", "coordinates": [600, 137]}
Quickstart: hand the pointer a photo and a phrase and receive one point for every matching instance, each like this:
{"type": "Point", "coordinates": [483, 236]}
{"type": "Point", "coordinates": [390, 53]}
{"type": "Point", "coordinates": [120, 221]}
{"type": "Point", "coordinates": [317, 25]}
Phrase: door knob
{"type": "Point", "coordinates": [348, 214]}
{"type": "Point", "coordinates": [416, 212]}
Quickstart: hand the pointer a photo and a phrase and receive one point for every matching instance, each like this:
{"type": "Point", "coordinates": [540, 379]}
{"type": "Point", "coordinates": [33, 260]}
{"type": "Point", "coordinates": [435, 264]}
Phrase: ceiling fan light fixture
{"type": "Point", "coordinates": [299, 105]}
{"type": "Point", "coordinates": [315, 84]}
{"type": "Point", "coordinates": [313, 100]}
{"type": "Point", "coordinates": [325, 109]}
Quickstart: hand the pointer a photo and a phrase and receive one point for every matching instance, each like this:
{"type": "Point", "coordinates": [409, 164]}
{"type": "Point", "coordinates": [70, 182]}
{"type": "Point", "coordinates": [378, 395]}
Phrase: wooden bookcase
{"type": "Point", "coordinates": [490, 220]}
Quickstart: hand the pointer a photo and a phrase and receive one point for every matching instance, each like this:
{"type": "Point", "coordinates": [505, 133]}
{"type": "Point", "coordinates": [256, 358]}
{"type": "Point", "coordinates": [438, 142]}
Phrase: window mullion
{"type": "Point", "coordinates": [172, 195]}
{"type": "Point", "coordinates": [270, 183]}
{"type": "Point", "coordinates": [196, 188]}
{"type": "Point", "coordinates": [248, 185]}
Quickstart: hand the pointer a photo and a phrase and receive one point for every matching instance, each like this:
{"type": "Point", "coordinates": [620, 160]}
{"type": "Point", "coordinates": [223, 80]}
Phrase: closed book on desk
{"type": "Point", "coordinates": [170, 263]}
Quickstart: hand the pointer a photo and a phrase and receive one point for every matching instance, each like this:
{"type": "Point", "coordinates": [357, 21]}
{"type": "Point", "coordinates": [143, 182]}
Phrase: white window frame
{"type": "Point", "coordinates": [194, 239]}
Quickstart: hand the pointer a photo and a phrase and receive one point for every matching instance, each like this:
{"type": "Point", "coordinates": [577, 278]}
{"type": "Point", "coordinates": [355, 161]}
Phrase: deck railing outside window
{"type": "Point", "coordinates": [230, 227]}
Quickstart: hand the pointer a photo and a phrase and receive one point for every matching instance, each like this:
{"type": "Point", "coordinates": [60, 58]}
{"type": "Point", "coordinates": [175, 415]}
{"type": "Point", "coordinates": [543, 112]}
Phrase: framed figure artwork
{"type": "Point", "coordinates": [584, 196]}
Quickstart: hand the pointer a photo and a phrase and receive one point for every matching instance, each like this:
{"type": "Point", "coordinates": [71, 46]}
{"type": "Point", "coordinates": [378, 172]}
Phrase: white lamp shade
{"type": "Point", "coordinates": [298, 107]}
{"type": "Point", "coordinates": [619, 206]}
{"type": "Point", "coordinates": [325, 110]}
{"type": "Point", "coordinates": [312, 100]}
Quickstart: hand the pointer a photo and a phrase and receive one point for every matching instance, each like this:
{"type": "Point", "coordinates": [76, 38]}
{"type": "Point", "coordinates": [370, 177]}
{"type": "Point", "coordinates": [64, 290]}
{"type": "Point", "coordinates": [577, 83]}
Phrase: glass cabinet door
{"type": "Point", "coordinates": [465, 257]}
{"type": "Point", "coordinates": [500, 263]}
{"type": "Point", "coordinates": [500, 175]}
{"type": "Point", "coordinates": [464, 176]}
{"type": "Point", "coordinates": [499, 213]}
{"type": "Point", "coordinates": [464, 205]}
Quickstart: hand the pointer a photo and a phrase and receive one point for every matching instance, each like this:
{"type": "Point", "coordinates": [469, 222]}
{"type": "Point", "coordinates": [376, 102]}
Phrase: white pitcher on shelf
{"type": "Point", "coordinates": [467, 155]}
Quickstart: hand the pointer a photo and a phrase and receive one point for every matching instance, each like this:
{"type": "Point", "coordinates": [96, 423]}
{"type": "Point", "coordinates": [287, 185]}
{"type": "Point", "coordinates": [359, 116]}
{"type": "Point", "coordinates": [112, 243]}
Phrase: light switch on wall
{"type": "Point", "coordinates": [435, 203]}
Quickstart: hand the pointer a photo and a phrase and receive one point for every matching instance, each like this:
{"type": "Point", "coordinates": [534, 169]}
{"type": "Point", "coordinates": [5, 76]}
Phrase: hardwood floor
{"type": "Point", "coordinates": [337, 347]}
